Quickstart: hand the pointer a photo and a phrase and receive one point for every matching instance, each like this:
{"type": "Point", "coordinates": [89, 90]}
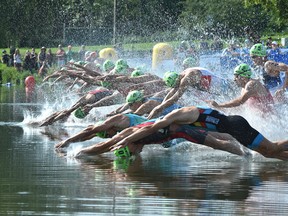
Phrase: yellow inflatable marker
{"type": "Point", "coordinates": [108, 53]}
{"type": "Point", "coordinates": [161, 52]}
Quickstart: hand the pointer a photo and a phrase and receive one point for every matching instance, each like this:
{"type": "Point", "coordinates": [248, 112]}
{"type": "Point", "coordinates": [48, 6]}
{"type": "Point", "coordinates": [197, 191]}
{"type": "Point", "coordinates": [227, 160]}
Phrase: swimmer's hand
{"type": "Point", "coordinates": [62, 144]}
{"type": "Point", "coordinates": [133, 148]}
{"type": "Point", "coordinates": [111, 114]}
{"type": "Point", "coordinates": [154, 112]}
{"type": "Point", "coordinates": [119, 145]}
{"type": "Point", "coordinates": [87, 108]}
{"type": "Point", "coordinates": [279, 93]}
{"type": "Point", "coordinates": [212, 103]}
{"type": "Point", "coordinates": [79, 154]}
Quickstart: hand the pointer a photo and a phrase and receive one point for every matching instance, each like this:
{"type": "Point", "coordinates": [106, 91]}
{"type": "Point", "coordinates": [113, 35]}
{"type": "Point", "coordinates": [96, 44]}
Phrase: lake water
{"type": "Point", "coordinates": [184, 180]}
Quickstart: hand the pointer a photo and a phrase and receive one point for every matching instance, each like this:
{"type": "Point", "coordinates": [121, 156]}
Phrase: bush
{"type": "Point", "coordinates": [11, 75]}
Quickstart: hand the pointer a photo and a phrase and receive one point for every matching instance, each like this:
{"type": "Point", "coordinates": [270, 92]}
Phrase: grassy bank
{"type": "Point", "coordinates": [147, 46]}
{"type": "Point", "coordinates": [11, 75]}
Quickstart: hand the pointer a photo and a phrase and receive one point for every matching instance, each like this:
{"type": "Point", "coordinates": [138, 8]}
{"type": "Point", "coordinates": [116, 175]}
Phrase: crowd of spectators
{"type": "Point", "coordinates": [33, 61]}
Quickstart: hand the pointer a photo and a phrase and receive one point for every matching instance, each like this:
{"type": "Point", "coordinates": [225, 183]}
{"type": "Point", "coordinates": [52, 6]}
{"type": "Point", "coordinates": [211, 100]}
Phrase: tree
{"type": "Point", "coordinates": [226, 19]}
{"type": "Point", "coordinates": [276, 8]}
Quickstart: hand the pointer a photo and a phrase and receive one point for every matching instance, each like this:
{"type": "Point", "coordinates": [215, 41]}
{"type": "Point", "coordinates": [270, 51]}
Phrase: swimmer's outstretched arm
{"type": "Point", "coordinates": [86, 134]}
{"type": "Point", "coordinates": [172, 97]}
{"type": "Point", "coordinates": [55, 74]}
{"type": "Point", "coordinates": [105, 146]}
{"type": "Point", "coordinates": [121, 109]}
{"type": "Point", "coordinates": [141, 133]}
{"type": "Point", "coordinates": [89, 71]}
{"type": "Point", "coordinates": [107, 101]}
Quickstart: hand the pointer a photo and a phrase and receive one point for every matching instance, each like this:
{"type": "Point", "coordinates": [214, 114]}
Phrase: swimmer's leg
{"type": "Point", "coordinates": [270, 149]}
{"type": "Point", "coordinates": [225, 142]}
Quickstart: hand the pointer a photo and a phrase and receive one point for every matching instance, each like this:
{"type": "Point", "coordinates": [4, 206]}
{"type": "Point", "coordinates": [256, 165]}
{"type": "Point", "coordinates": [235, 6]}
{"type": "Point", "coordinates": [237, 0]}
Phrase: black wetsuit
{"type": "Point", "coordinates": [188, 132]}
{"type": "Point", "coordinates": [235, 125]}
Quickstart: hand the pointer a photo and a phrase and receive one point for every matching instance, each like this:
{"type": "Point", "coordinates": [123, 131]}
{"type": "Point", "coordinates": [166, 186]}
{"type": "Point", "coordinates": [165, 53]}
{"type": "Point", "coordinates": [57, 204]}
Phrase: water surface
{"type": "Point", "coordinates": [184, 180]}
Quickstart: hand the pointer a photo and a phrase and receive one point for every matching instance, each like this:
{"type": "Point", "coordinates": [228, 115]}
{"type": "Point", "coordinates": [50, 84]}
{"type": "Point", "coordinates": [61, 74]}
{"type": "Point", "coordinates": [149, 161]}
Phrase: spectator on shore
{"type": "Point", "coordinates": [17, 60]}
{"type": "Point", "coordinates": [269, 43]}
{"type": "Point", "coordinates": [275, 51]}
{"type": "Point", "coordinates": [49, 58]}
{"type": "Point", "coordinates": [245, 49]}
{"type": "Point", "coordinates": [217, 44]}
{"type": "Point", "coordinates": [61, 56]}
{"type": "Point", "coordinates": [119, 49]}
{"type": "Point", "coordinates": [69, 54]}
{"type": "Point", "coordinates": [231, 50]}
{"type": "Point", "coordinates": [181, 53]}
{"type": "Point", "coordinates": [12, 51]}
{"type": "Point", "coordinates": [5, 58]}
{"type": "Point", "coordinates": [42, 57]}
{"type": "Point", "coordinates": [81, 53]}
{"type": "Point", "coordinates": [33, 57]}
{"type": "Point", "coordinates": [192, 51]}
{"type": "Point", "coordinates": [27, 63]}
{"type": "Point", "coordinates": [252, 35]}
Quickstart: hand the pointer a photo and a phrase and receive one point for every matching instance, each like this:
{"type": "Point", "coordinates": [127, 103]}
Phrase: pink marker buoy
{"type": "Point", "coordinates": [30, 82]}
{"type": "Point", "coordinates": [29, 88]}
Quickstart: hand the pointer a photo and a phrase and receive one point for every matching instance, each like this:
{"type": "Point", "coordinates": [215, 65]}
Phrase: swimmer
{"type": "Point", "coordinates": [104, 129]}
{"type": "Point", "coordinates": [124, 84]}
{"type": "Point", "coordinates": [120, 121]}
{"type": "Point", "coordinates": [193, 134]}
{"type": "Point", "coordinates": [141, 105]}
{"type": "Point", "coordinates": [101, 96]}
{"type": "Point", "coordinates": [253, 91]}
{"type": "Point", "coordinates": [121, 67]}
{"type": "Point", "coordinates": [274, 69]}
{"type": "Point", "coordinates": [235, 125]}
{"type": "Point", "coordinates": [269, 71]}
{"type": "Point", "coordinates": [189, 79]}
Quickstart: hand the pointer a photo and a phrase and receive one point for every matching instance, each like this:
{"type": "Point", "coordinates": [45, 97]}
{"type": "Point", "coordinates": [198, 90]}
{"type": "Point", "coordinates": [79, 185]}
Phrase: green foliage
{"type": "Point", "coordinates": [276, 8]}
{"type": "Point", "coordinates": [227, 19]}
{"type": "Point", "coordinates": [34, 23]}
{"type": "Point", "coordinates": [11, 75]}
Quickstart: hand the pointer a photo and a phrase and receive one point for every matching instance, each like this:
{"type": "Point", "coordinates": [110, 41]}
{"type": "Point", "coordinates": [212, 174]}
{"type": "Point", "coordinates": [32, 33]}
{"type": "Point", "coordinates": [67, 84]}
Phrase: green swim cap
{"type": "Point", "coordinates": [121, 62]}
{"type": "Point", "coordinates": [136, 73]}
{"type": "Point", "coordinates": [80, 63]}
{"type": "Point", "coordinates": [120, 69]}
{"type": "Point", "coordinates": [123, 152]}
{"type": "Point", "coordinates": [258, 50]}
{"type": "Point", "coordinates": [108, 65]}
{"type": "Point", "coordinates": [134, 96]}
{"type": "Point", "coordinates": [98, 66]}
{"type": "Point", "coordinates": [170, 78]}
{"type": "Point", "coordinates": [101, 134]}
{"type": "Point", "coordinates": [122, 163]}
{"type": "Point", "coordinates": [243, 70]}
{"type": "Point", "coordinates": [79, 113]}
{"type": "Point", "coordinates": [105, 84]}
{"type": "Point", "coordinates": [189, 62]}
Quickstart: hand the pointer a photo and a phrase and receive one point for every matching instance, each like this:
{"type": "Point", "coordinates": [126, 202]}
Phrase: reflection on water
{"type": "Point", "coordinates": [184, 180]}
